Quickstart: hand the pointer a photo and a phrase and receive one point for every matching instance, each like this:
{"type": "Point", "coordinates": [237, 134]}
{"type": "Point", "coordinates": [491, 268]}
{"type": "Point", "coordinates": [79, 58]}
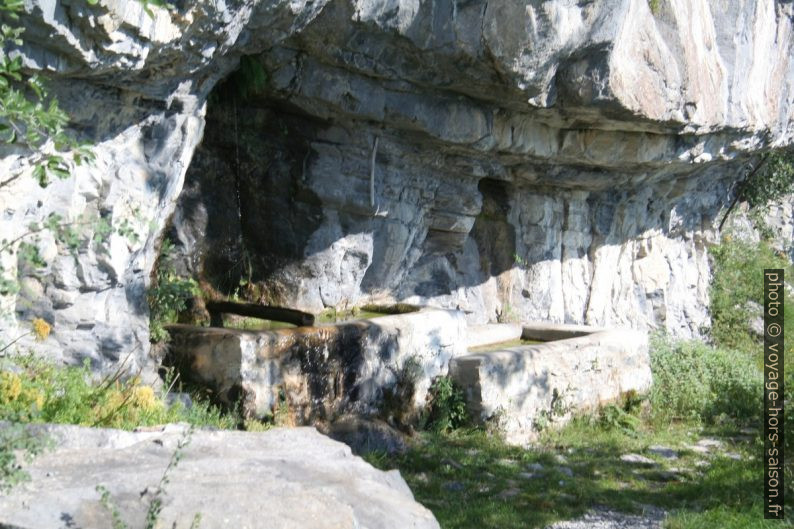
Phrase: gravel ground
{"type": "Point", "coordinates": [607, 519]}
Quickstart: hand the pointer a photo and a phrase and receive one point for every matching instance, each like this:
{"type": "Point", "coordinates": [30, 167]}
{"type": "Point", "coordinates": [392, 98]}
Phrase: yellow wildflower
{"type": "Point", "coordinates": [41, 329]}
{"type": "Point", "coordinates": [10, 387]}
{"type": "Point", "coordinates": [38, 398]}
{"type": "Point", "coordinates": [143, 397]}
{"type": "Point", "coordinates": [31, 397]}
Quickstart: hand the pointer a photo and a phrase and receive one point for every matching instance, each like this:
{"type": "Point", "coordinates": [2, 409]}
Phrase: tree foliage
{"type": "Point", "coordinates": [770, 180]}
{"type": "Point", "coordinates": [773, 181]}
{"type": "Point", "coordinates": [30, 117]}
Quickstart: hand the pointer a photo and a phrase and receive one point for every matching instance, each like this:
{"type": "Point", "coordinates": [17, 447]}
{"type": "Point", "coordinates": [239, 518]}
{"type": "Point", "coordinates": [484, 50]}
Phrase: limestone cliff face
{"type": "Point", "coordinates": [547, 160]}
{"type": "Point", "coordinates": [135, 85]}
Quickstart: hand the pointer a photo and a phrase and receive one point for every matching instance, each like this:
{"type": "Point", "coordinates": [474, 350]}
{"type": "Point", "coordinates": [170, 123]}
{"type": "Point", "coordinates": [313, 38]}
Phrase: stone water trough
{"type": "Point", "coordinates": [524, 388]}
{"type": "Point", "coordinates": [322, 372]}
{"type": "Point", "coordinates": [385, 365]}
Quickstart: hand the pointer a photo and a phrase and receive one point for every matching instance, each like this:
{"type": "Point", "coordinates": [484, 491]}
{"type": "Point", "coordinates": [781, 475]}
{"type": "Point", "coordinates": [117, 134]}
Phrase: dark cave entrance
{"type": "Point", "coordinates": [244, 211]}
{"type": "Point", "coordinates": [492, 231]}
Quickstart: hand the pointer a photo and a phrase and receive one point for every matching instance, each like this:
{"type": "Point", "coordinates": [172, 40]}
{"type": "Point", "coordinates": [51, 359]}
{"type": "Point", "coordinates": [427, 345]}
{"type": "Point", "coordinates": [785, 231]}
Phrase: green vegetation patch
{"type": "Point", "coordinates": [737, 287]}
{"type": "Point", "coordinates": [34, 390]}
{"type": "Point", "coordinates": [773, 180]}
{"type": "Point", "coordinates": [17, 445]}
{"type": "Point", "coordinates": [470, 478]}
{"type": "Point", "coordinates": [169, 294]}
{"type": "Point", "coordinates": [695, 381]}
{"type": "Point", "coordinates": [446, 408]}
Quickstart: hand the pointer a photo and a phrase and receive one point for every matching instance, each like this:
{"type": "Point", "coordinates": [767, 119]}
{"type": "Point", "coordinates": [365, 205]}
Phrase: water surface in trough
{"type": "Point", "coordinates": [324, 318]}
{"type": "Point", "coordinates": [502, 345]}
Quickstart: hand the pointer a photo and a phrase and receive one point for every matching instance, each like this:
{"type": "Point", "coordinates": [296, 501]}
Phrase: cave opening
{"type": "Point", "coordinates": [493, 232]}
{"type": "Point", "coordinates": [245, 209]}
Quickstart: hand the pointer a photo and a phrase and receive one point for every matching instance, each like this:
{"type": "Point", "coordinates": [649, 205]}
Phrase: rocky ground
{"type": "Point", "coordinates": [606, 519]}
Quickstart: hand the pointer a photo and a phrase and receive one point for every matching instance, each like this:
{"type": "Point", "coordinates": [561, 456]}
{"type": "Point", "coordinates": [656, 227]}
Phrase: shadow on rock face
{"type": "Point", "coordinates": [279, 199]}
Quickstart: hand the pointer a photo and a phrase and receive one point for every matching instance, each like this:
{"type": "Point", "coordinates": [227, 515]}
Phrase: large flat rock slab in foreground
{"type": "Point", "coordinates": [282, 478]}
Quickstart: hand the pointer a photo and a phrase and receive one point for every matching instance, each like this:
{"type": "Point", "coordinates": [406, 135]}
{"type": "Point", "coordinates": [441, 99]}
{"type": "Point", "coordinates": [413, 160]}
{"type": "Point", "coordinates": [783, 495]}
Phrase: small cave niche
{"type": "Point", "coordinates": [492, 231]}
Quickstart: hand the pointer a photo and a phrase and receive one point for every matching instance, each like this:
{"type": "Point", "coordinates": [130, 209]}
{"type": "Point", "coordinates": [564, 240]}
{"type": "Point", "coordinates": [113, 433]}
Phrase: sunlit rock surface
{"type": "Point", "coordinates": [282, 478]}
{"type": "Point", "coordinates": [535, 160]}
{"type": "Point", "coordinates": [525, 389]}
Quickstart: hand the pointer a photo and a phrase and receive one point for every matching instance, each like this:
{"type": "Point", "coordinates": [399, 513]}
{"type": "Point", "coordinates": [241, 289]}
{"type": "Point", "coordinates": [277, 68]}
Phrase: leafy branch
{"type": "Point", "coordinates": [771, 179]}
{"type": "Point", "coordinates": [15, 440]}
{"type": "Point", "coordinates": [29, 117]}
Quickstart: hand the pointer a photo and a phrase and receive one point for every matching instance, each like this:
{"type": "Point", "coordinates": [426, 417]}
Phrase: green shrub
{"type": "Point", "coordinates": [624, 415]}
{"type": "Point", "coordinates": [17, 443]}
{"type": "Point", "coordinates": [168, 294]}
{"type": "Point", "coordinates": [33, 390]}
{"type": "Point", "coordinates": [695, 381]}
{"type": "Point", "coordinates": [738, 269]}
{"type": "Point", "coordinates": [772, 181]}
{"type": "Point", "coordinates": [446, 408]}
{"type": "Point", "coordinates": [613, 417]}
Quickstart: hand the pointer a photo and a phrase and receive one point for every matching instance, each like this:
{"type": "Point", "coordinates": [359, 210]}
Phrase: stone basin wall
{"type": "Point", "coordinates": [365, 367]}
{"type": "Point", "coordinates": [525, 388]}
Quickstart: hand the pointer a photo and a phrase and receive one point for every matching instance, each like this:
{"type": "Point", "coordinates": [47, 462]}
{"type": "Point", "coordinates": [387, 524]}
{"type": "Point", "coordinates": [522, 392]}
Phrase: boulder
{"type": "Point", "coordinates": [280, 479]}
{"type": "Point", "coordinates": [364, 435]}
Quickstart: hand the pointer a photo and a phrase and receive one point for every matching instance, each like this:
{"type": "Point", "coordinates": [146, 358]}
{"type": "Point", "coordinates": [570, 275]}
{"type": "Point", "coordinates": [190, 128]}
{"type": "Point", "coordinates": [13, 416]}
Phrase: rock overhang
{"type": "Point", "coordinates": [554, 96]}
